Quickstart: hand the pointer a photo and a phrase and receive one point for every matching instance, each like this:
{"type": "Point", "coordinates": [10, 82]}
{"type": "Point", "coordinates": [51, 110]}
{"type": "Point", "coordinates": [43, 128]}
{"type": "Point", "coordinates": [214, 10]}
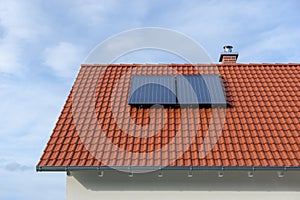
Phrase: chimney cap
{"type": "Point", "coordinates": [227, 48]}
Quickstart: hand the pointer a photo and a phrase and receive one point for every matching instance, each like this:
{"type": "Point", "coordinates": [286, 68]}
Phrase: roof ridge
{"type": "Point", "coordinates": [187, 64]}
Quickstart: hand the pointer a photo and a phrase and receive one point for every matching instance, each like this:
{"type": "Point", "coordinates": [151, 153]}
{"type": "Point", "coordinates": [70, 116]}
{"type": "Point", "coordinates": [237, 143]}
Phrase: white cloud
{"type": "Point", "coordinates": [9, 57]}
{"type": "Point", "coordinates": [15, 166]}
{"type": "Point", "coordinates": [21, 22]}
{"type": "Point", "coordinates": [21, 19]}
{"type": "Point", "coordinates": [281, 41]}
{"type": "Point", "coordinates": [64, 58]}
{"type": "Point", "coordinates": [11, 16]}
{"type": "Point", "coordinates": [240, 23]}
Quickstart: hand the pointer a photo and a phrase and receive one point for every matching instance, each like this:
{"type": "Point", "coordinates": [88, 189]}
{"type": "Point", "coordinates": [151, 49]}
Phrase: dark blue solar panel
{"type": "Point", "coordinates": [152, 90]}
{"type": "Point", "coordinates": [200, 89]}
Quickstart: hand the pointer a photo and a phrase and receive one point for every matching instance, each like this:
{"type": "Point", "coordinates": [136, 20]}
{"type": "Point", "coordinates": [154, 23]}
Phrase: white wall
{"type": "Point", "coordinates": [176, 185]}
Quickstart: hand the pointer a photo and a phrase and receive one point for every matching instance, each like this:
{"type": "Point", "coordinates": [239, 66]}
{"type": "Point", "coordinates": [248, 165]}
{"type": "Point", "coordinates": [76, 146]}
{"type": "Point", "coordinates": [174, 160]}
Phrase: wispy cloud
{"type": "Point", "coordinates": [243, 24]}
{"type": "Point", "coordinates": [280, 41]}
{"type": "Point", "coordinates": [15, 166]}
{"type": "Point", "coordinates": [19, 27]}
{"type": "Point", "coordinates": [17, 21]}
{"type": "Point", "coordinates": [9, 57]}
{"type": "Point", "coordinates": [64, 58]}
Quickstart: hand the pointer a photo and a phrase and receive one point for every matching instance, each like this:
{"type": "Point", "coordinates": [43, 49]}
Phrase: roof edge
{"type": "Point", "coordinates": [238, 168]}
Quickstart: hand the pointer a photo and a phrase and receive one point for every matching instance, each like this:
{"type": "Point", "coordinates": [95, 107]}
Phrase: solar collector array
{"type": "Point", "coordinates": [177, 90]}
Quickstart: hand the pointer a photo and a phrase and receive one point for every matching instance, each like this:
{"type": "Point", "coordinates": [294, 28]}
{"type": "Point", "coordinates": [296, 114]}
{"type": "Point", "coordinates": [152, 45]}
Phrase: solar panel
{"type": "Point", "coordinates": [215, 87]}
{"type": "Point", "coordinates": [149, 90]}
{"type": "Point", "coordinates": [200, 89]}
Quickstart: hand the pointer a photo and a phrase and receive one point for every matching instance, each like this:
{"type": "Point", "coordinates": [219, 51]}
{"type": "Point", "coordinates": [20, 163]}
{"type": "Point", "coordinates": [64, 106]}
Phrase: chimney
{"type": "Point", "coordinates": [228, 57]}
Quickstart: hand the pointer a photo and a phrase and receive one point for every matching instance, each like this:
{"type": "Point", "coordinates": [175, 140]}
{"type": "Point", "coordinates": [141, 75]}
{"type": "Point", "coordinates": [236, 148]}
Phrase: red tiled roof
{"type": "Point", "coordinates": [261, 127]}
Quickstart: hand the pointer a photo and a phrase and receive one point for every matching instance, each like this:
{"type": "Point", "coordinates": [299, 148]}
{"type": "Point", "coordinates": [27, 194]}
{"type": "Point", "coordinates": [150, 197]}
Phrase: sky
{"type": "Point", "coordinates": [43, 43]}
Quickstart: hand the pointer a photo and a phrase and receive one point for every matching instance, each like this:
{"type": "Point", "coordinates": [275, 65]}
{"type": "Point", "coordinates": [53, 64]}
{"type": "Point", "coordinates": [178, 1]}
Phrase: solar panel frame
{"type": "Point", "coordinates": [150, 90]}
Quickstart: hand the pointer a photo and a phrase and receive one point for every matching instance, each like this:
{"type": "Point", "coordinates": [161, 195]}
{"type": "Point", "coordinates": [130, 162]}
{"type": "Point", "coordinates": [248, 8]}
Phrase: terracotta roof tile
{"type": "Point", "coordinates": [98, 128]}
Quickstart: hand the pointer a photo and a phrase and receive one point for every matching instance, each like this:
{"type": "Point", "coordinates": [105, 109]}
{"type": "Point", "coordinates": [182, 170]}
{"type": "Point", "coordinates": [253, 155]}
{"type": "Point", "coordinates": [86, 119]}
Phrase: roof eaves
{"type": "Point", "coordinates": [123, 168]}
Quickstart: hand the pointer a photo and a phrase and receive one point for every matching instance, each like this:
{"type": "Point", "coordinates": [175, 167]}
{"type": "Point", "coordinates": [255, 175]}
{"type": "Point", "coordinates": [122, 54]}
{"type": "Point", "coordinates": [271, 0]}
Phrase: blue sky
{"type": "Point", "coordinates": [43, 43]}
